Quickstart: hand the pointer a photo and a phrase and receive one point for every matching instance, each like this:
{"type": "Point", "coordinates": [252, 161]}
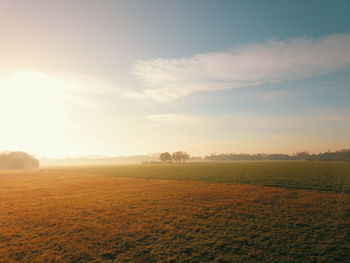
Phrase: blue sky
{"type": "Point", "coordinates": [135, 77]}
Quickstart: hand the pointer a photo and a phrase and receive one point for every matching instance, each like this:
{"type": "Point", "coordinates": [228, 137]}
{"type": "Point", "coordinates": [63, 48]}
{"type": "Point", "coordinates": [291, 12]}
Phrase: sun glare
{"type": "Point", "coordinates": [31, 110]}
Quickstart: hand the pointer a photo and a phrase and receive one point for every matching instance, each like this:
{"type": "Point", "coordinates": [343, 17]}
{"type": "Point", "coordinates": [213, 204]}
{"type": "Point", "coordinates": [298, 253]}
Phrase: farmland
{"type": "Point", "coordinates": [203, 212]}
{"type": "Point", "coordinates": [328, 176]}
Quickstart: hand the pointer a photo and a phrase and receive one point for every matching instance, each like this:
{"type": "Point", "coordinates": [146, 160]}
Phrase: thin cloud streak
{"type": "Point", "coordinates": [250, 65]}
{"type": "Point", "coordinates": [338, 119]}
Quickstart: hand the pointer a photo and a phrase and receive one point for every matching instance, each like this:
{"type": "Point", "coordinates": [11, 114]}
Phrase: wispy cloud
{"type": "Point", "coordinates": [176, 118]}
{"type": "Point", "coordinates": [338, 119]}
{"type": "Point", "coordinates": [249, 65]}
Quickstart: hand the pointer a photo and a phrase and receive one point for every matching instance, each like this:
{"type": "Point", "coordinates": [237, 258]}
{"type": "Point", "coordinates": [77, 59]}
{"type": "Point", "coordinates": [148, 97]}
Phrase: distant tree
{"type": "Point", "coordinates": [180, 156]}
{"type": "Point", "coordinates": [175, 157]}
{"type": "Point", "coordinates": [185, 156]}
{"type": "Point", "coordinates": [305, 155]}
{"type": "Point", "coordinates": [17, 160]}
{"type": "Point", "coordinates": [341, 155]}
{"type": "Point", "coordinates": [165, 157]}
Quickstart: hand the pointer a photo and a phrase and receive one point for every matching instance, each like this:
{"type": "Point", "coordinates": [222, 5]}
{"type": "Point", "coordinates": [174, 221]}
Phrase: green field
{"type": "Point", "coordinates": [328, 176]}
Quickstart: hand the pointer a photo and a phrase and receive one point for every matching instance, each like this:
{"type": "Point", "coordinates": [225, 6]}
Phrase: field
{"type": "Point", "coordinates": [328, 176]}
{"type": "Point", "coordinates": [205, 212]}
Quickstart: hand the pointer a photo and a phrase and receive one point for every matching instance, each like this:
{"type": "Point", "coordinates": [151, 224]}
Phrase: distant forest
{"type": "Point", "coordinates": [341, 155]}
{"type": "Point", "coordinates": [17, 160]}
{"type": "Point", "coordinates": [181, 156]}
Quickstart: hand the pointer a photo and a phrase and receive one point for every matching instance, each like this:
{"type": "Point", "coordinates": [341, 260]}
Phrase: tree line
{"type": "Point", "coordinates": [17, 160]}
{"type": "Point", "coordinates": [178, 157]}
{"type": "Point", "coordinates": [341, 155]}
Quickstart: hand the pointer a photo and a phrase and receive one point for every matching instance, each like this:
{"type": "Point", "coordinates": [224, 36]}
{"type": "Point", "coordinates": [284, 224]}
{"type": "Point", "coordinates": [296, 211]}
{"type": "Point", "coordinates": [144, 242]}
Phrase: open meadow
{"type": "Point", "coordinates": [316, 175]}
{"type": "Point", "coordinates": [188, 131]}
{"type": "Point", "coordinates": [105, 214]}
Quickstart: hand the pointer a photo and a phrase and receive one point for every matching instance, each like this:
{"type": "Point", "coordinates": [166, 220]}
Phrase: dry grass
{"type": "Point", "coordinates": [71, 217]}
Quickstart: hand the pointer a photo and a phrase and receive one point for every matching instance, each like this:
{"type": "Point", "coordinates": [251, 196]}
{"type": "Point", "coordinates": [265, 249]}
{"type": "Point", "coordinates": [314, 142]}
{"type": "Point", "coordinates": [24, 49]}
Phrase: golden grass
{"type": "Point", "coordinates": [48, 216]}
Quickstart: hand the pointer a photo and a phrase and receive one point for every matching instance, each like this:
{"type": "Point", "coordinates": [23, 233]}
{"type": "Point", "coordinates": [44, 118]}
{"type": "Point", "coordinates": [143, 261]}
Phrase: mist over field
{"type": "Point", "coordinates": [174, 131]}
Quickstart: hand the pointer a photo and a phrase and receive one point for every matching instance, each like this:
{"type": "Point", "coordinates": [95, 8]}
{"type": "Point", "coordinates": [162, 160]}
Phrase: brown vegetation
{"type": "Point", "coordinates": [67, 217]}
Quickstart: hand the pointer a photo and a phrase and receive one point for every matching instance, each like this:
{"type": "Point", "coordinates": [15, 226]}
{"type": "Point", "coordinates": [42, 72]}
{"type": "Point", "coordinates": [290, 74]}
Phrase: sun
{"type": "Point", "coordinates": [31, 110]}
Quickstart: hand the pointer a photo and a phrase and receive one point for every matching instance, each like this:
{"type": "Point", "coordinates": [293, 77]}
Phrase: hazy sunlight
{"type": "Point", "coordinates": [32, 109]}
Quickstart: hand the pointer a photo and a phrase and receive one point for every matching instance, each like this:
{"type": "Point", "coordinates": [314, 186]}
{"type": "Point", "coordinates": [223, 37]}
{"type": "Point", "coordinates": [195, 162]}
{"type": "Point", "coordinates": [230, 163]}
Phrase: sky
{"type": "Point", "coordinates": [81, 77]}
